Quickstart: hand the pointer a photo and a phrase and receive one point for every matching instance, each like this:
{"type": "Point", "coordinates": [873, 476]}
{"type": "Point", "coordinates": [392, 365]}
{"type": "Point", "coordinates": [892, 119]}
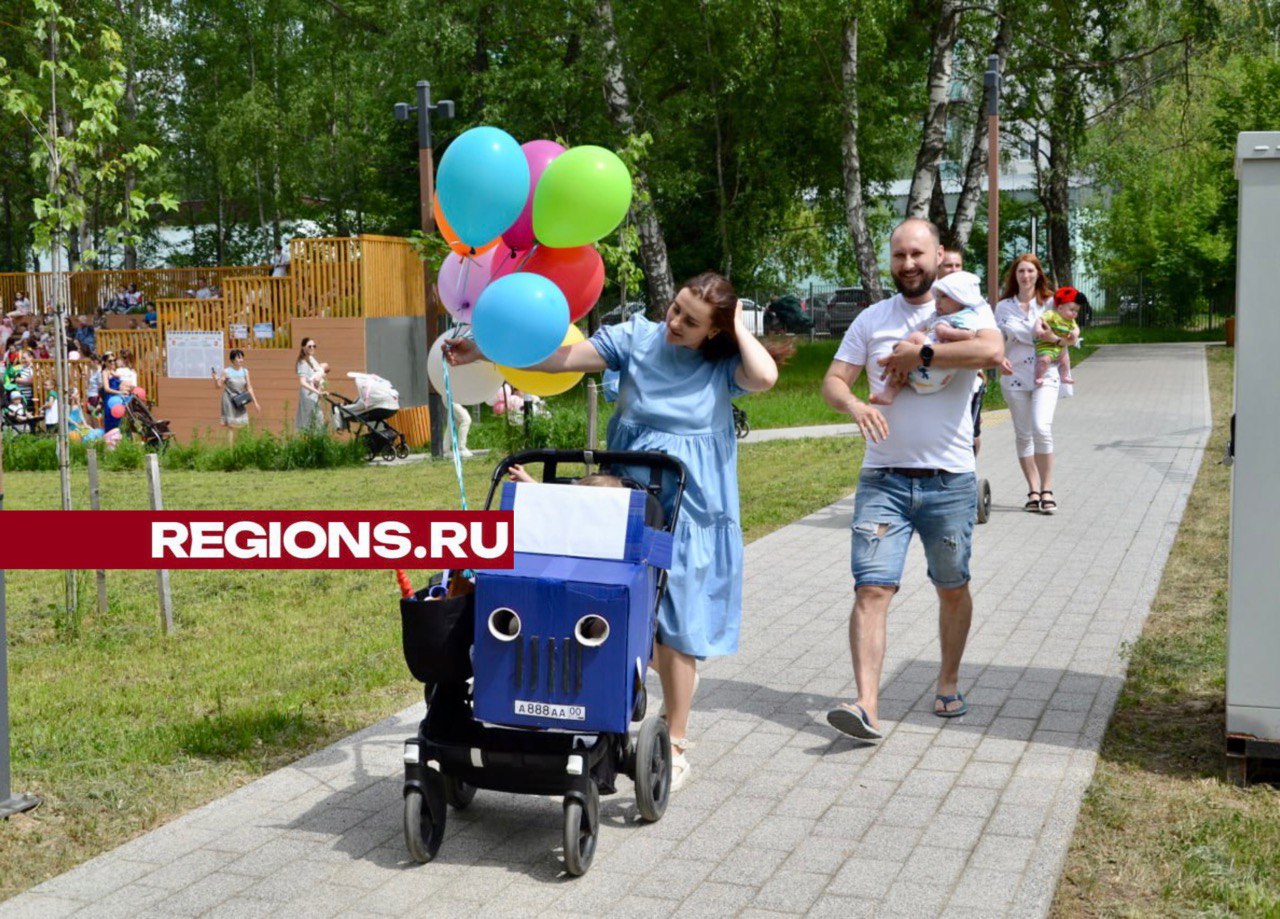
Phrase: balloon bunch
{"type": "Point", "coordinates": [521, 221]}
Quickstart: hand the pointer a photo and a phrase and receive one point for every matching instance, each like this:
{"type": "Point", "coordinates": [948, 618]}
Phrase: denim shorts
{"type": "Point", "coordinates": [889, 507]}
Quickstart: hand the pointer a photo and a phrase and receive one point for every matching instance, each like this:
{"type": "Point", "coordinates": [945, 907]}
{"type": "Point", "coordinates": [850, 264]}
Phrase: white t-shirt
{"type": "Point", "coordinates": [925, 432]}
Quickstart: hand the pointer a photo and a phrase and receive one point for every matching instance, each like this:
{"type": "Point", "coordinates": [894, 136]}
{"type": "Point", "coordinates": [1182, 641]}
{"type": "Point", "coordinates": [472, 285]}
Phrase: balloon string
{"type": "Point", "coordinates": [454, 332]}
{"type": "Point", "coordinates": [528, 255]}
{"type": "Point", "coordinates": [460, 284]}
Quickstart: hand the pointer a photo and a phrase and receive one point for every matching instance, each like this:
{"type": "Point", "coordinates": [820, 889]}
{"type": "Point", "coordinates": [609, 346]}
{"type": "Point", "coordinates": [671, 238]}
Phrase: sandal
{"type": "Point", "coordinates": [680, 768]}
{"type": "Point", "coordinates": [1047, 505]}
{"type": "Point", "coordinates": [1033, 504]}
{"type": "Point", "coordinates": [946, 712]}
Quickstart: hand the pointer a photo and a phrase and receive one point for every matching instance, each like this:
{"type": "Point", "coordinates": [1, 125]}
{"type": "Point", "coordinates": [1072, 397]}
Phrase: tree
{"type": "Point", "coordinates": [72, 134]}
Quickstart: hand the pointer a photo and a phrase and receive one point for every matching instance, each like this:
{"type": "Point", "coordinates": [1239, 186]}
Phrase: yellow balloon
{"type": "Point", "coordinates": [545, 384]}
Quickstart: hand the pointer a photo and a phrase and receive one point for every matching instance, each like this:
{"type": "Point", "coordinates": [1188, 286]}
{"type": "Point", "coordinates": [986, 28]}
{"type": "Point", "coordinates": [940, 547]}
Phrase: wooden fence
{"type": "Point", "coordinates": [46, 377]}
{"type": "Point", "coordinates": [254, 302]}
{"type": "Point", "coordinates": [326, 277]}
{"type": "Point", "coordinates": [391, 277]}
{"type": "Point", "coordinates": [148, 359]}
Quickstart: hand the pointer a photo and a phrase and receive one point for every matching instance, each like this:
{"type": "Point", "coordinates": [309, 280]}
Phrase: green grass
{"type": "Point", "coordinates": [1164, 830]}
{"type": "Point", "coordinates": [119, 728]}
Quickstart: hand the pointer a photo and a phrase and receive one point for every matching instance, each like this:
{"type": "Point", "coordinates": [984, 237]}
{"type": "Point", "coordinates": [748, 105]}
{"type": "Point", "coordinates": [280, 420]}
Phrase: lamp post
{"type": "Point", "coordinates": [426, 195]}
{"type": "Point", "coordinates": [10, 803]}
{"type": "Point", "coordinates": [991, 83]}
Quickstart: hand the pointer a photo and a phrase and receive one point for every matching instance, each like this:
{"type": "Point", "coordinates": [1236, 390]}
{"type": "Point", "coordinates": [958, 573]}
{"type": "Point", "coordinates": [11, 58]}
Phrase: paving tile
{"type": "Point", "coordinates": [784, 815]}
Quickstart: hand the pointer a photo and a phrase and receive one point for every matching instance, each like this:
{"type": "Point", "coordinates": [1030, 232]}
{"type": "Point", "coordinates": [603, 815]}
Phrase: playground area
{"type": "Point", "coordinates": [362, 297]}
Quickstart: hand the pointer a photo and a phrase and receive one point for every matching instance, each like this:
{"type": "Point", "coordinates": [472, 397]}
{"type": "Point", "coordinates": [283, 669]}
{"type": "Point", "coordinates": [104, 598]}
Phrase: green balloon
{"type": "Point", "coordinates": [582, 197]}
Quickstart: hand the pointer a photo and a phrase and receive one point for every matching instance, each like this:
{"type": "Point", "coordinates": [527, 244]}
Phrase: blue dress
{"type": "Point", "coordinates": [673, 400]}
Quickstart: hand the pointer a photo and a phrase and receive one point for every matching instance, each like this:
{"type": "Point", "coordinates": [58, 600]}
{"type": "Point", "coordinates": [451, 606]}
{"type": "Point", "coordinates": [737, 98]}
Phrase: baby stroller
{"type": "Point", "coordinates": [561, 644]}
{"type": "Point", "coordinates": [153, 432]}
{"type": "Point", "coordinates": [366, 416]}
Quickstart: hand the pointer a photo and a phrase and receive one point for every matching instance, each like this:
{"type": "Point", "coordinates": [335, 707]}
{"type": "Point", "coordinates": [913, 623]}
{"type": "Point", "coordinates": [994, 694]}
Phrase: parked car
{"type": "Point", "coordinates": [753, 317]}
{"type": "Point", "coordinates": [622, 312]}
{"type": "Point", "coordinates": [843, 307]}
{"type": "Point", "coordinates": [786, 314]}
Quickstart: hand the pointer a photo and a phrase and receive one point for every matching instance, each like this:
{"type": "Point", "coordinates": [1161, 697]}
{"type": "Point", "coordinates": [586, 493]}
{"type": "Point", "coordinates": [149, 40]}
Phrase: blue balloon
{"type": "Point", "coordinates": [520, 319]}
{"type": "Point", "coordinates": [113, 401]}
{"type": "Point", "coordinates": [483, 184]}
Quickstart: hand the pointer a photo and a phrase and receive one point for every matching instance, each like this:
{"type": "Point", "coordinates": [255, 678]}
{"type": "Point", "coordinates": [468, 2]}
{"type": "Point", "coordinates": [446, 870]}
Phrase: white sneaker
{"type": "Point", "coordinates": [680, 768]}
{"type": "Point", "coordinates": [662, 709]}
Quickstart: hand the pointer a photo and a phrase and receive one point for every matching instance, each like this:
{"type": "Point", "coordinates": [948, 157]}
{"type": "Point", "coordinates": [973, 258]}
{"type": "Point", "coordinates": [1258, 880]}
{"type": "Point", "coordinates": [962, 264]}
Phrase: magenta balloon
{"type": "Point", "coordinates": [507, 261]}
{"type": "Point", "coordinates": [538, 153]}
{"type": "Point", "coordinates": [460, 281]}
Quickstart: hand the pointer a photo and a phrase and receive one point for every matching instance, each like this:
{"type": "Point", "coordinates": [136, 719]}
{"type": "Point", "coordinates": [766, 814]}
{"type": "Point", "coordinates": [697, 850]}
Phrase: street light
{"type": "Point", "coordinates": [426, 194]}
{"type": "Point", "coordinates": [991, 83]}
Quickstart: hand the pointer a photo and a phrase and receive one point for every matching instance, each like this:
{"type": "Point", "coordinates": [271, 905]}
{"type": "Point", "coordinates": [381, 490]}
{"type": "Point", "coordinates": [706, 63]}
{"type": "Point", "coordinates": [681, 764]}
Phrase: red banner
{"type": "Point", "coordinates": [256, 539]}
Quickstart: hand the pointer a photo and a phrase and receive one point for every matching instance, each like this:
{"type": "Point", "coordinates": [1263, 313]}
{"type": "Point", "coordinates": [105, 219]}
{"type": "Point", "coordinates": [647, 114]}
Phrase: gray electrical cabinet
{"type": "Point", "coordinates": [1253, 639]}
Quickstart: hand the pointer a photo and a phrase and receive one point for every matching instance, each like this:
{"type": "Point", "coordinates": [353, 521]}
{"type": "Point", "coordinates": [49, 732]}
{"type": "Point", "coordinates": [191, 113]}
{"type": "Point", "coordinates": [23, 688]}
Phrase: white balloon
{"type": "Point", "coordinates": [469, 384]}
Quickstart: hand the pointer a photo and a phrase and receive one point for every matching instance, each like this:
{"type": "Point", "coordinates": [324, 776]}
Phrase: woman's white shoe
{"type": "Point", "coordinates": [680, 768]}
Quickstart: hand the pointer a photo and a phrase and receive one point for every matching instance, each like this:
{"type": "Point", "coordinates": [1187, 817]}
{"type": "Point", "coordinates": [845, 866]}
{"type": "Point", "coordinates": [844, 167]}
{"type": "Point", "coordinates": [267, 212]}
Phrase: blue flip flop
{"type": "Point", "coordinates": [947, 700]}
{"type": "Point", "coordinates": [852, 719]}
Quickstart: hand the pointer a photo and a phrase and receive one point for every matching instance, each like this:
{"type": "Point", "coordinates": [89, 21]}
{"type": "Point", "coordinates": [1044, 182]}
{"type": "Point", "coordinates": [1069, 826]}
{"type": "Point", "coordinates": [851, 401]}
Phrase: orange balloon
{"type": "Point", "coordinates": [451, 237]}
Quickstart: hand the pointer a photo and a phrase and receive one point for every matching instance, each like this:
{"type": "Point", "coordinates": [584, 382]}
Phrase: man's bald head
{"type": "Point", "coordinates": [915, 249]}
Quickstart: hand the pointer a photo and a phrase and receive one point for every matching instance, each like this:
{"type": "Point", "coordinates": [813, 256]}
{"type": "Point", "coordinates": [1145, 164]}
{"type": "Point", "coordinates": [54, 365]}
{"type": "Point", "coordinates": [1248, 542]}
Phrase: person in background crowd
{"type": "Point", "coordinates": [1026, 296]}
{"type": "Point", "coordinates": [233, 381]}
{"type": "Point", "coordinates": [953, 261]}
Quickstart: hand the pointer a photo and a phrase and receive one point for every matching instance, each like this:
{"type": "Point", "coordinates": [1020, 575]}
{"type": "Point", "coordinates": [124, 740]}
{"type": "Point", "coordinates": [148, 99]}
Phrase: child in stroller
{"type": "Point", "coordinates": [561, 644]}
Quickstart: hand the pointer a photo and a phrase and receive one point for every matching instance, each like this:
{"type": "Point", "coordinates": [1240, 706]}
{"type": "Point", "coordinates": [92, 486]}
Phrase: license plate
{"type": "Point", "coordinates": [551, 710]}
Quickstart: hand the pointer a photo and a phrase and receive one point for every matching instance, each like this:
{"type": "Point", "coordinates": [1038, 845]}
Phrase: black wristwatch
{"type": "Point", "coordinates": [926, 355]}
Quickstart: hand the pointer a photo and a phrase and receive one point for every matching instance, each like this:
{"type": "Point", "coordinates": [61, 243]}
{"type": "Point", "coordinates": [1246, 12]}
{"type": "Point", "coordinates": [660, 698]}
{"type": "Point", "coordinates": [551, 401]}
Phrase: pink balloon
{"type": "Point", "coordinates": [460, 281]}
{"type": "Point", "coordinates": [140, 393]}
{"type": "Point", "coordinates": [117, 411]}
{"type": "Point", "coordinates": [538, 153]}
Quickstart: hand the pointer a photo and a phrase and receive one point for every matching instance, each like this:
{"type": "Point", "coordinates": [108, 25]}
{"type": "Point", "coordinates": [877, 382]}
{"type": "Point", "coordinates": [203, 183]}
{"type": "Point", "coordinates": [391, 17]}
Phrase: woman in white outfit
{"type": "Point", "coordinates": [1025, 297]}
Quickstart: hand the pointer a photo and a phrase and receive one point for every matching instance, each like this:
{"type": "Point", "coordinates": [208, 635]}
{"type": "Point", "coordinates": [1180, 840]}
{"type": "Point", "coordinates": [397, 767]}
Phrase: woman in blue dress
{"type": "Point", "coordinates": [676, 380]}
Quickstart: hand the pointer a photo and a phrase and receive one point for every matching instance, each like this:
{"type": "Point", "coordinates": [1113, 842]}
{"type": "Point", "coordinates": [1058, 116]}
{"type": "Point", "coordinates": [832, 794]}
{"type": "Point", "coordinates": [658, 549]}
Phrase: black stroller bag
{"type": "Point", "coordinates": [437, 636]}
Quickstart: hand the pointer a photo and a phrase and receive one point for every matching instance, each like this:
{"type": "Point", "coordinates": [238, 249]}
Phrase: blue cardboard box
{"type": "Point", "coordinates": [562, 641]}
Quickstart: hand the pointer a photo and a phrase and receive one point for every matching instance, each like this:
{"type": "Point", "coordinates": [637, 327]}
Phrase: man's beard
{"type": "Point", "coordinates": [921, 288]}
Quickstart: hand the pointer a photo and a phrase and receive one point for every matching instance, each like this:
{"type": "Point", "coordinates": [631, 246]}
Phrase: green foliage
{"type": "Point", "coordinates": [251, 450]}
{"type": "Point", "coordinates": [75, 150]}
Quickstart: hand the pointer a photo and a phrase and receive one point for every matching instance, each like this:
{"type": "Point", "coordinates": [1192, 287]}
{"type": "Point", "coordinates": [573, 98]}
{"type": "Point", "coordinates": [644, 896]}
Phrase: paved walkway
{"type": "Point", "coordinates": [960, 818]}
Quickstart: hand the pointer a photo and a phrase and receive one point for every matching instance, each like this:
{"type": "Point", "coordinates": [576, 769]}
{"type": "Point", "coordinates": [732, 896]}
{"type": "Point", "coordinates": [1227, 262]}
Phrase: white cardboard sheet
{"type": "Point", "coordinates": [575, 520]}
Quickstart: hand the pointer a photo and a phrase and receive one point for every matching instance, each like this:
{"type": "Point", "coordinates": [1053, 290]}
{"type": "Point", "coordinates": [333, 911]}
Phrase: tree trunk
{"type": "Point", "coordinates": [1057, 205]}
{"type": "Point", "coordinates": [938, 209]}
{"type": "Point", "coordinates": [1063, 124]}
{"type": "Point", "coordinates": [130, 119]}
{"type": "Point", "coordinates": [855, 208]}
{"type": "Point", "coordinates": [971, 190]}
{"type": "Point", "coordinates": [934, 136]}
{"type": "Point", "coordinates": [722, 222]}
{"type": "Point", "coordinates": [653, 245]}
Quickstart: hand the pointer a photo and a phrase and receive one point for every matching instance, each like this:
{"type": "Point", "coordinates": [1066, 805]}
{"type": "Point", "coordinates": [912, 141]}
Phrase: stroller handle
{"type": "Point", "coordinates": [657, 463]}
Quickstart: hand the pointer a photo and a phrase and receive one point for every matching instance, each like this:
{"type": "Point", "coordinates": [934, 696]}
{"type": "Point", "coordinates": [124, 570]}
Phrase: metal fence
{"type": "Point", "coordinates": [1134, 303]}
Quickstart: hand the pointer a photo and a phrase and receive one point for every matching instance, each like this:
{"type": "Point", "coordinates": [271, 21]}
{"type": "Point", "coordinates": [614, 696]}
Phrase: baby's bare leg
{"type": "Point", "coordinates": [891, 388]}
{"type": "Point", "coordinates": [1042, 367]}
{"type": "Point", "coordinates": [1064, 366]}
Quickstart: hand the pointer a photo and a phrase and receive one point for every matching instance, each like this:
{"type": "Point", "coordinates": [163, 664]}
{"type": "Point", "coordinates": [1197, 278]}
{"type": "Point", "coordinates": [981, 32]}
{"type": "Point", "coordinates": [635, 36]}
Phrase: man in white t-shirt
{"type": "Point", "coordinates": [917, 475]}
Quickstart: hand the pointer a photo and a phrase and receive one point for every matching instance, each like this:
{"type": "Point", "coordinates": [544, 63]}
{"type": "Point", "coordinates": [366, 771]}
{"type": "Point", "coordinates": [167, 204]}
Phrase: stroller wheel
{"type": "Point", "coordinates": [424, 820]}
{"type": "Point", "coordinates": [581, 829]}
{"type": "Point", "coordinates": [984, 500]}
{"type": "Point", "coordinates": [402, 450]}
{"type": "Point", "coordinates": [458, 793]}
{"type": "Point", "coordinates": [652, 769]}
{"type": "Point", "coordinates": [389, 454]}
